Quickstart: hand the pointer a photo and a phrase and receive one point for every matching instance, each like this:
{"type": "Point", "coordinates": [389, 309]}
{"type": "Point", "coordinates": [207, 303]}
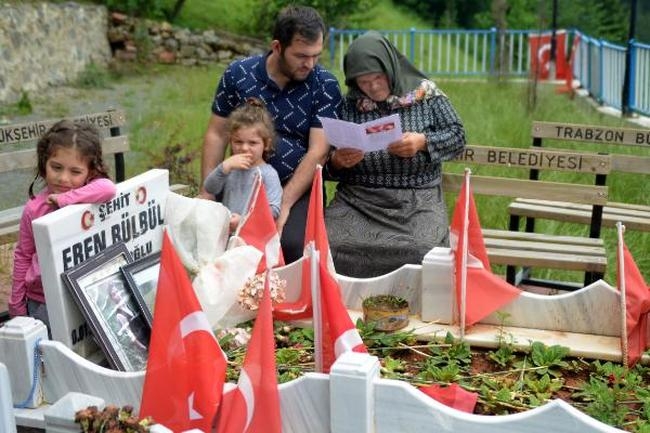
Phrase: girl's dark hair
{"type": "Point", "coordinates": [293, 20]}
{"type": "Point", "coordinates": [67, 134]}
{"type": "Point", "coordinates": [253, 113]}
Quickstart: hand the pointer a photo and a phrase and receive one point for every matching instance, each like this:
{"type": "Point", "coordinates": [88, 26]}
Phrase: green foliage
{"type": "Point", "coordinates": [446, 373]}
{"type": "Point", "coordinates": [335, 13]}
{"type": "Point", "coordinates": [542, 388]}
{"type": "Point", "coordinates": [24, 105]}
{"type": "Point", "coordinates": [137, 8]}
{"type": "Point", "coordinates": [547, 359]}
{"type": "Point", "coordinates": [613, 394]}
{"type": "Point", "coordinates": [384, 343]}
{"type": "Point", "coordinates": [505, 353]}
{"type": "Point", "coordinates": [392, 368]}
{"type": "Point", "coordinates": [446, 361]}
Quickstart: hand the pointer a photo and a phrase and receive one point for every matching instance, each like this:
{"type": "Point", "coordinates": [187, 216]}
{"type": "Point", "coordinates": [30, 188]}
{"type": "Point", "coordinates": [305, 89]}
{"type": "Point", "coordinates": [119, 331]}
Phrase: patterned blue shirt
{"type": "Point", "coordinates": [294, 108]}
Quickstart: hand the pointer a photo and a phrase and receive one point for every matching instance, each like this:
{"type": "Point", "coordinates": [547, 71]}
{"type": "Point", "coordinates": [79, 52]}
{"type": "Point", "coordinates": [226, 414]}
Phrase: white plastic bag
{"type": "Point", "coordinates": [199, 230]}
{"type": "Point", "coordinates": [217, 286]}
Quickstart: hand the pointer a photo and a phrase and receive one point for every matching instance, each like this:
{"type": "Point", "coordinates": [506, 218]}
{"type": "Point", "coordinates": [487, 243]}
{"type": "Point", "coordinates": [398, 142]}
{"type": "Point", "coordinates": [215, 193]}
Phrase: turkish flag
{"type": "Point", "coordinates": [186, 368]}
{"type": "Point", "coordinates": [339, 335]}
{"type": "Point", "coordinates": [637, 302]}
{"type": "Point", "coordinates": [478, 291]}
{"type": "Point", "coordinates": [258, 229]}
{"type": "Point", "coordinates": [254, 406]}
{"type": "Point", "coordinates": [540, 55]}
{"type": "Point", "coordinates": [314, 232]}
{"type": "Point", "coordinates": [453, 396]}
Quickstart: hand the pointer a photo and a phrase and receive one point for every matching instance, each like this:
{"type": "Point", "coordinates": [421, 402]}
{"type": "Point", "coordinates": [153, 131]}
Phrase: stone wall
{"type": "Point", "coordinates": [44, 45]}
{"type": "Point", "coordinates": [153, 41]}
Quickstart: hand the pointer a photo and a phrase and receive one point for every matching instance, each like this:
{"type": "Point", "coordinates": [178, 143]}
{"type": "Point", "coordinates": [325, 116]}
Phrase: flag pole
{"type": "Point", "coordinates": [314, 282]}
{"type": "Point", "coordinates": [620, 228]}
{"type": "Point", "coordinates": [463, 265]}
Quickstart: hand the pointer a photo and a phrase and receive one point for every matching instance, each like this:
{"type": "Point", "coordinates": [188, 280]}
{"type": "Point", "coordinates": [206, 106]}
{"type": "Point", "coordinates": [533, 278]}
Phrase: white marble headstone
{"type": "Point", "coordinates": [73, 234]}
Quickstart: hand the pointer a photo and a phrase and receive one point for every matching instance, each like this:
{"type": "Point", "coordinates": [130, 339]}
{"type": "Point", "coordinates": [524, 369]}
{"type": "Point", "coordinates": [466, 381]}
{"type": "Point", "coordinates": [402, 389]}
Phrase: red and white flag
{"type": "Point", "coordinates": [314, 232]}
{"type": "Point", "coordinates": [479, 292]}
{"type": "Point", "coordinates": [258, 229]}
{"type": "Point", "coordinates": [338, 333]}
{"type": "Point", "coordinates": [540, 55]}
{"type": "Point", "coordinates": [186, 368]}
{"type": "Point", "coordinates": [635, 297]}
{"type": "Point", "coordinates": [254, 406]}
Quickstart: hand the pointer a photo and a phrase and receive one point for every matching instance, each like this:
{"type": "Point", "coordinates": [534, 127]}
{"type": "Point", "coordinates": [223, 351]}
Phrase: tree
{"type": "Point", "coordinates": [335, 13]}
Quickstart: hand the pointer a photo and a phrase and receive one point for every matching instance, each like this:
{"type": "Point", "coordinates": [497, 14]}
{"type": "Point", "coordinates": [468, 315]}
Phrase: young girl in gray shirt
{"type": "Point", "coordinates": [251, 137]}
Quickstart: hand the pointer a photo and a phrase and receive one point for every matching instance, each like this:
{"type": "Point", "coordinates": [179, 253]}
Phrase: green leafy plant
{"type": "Point", "coordinates": [446, 374]}
{"type": "Point", "coordinates": [392, 368]}
{"type": "Point", "coordinates": [547, 359]}
{"type": "Point", "coordinates": [542, 388]}
{"type": "Point", "coordinates": [614, 395]}
{"type": "Point", "coordinates": [505, 353]}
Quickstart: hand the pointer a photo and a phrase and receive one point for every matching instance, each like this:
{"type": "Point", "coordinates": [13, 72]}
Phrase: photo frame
{"type": "Point", "coordinates": [101, 292]}
{"type": "Point", "coordinates": [142, 279]}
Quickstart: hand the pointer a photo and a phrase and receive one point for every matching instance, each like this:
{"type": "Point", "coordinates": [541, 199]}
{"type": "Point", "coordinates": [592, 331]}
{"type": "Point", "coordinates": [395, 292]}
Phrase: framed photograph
{"type": "Point", "coordinates": [100, 290]}
{"type": "Point", "coordinates": [142, 278]}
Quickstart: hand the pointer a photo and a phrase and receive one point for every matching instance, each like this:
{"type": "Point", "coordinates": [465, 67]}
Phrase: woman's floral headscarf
{"type": "Point", "coordinates": [372, 53]}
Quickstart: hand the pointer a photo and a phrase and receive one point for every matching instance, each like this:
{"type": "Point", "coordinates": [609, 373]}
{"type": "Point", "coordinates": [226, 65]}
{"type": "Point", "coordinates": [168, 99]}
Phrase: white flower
{"type": "Point", "coordinates": [251, 294]}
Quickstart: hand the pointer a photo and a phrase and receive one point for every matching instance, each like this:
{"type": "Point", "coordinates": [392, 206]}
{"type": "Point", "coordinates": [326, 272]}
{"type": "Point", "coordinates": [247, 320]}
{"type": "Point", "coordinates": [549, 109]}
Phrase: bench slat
{"type": "Point", "coordinates": [510, 187]}
{"type": "Point", "coordinates": [542, 237]}
{"type": "Point", "coordinates": [550, 246]}
{"type": "Point", "coordinates": [537, 158]}
{"type": "Point", "coordinates": [32, 131]}
{"type": "Point", "coordinates": [590, 133]}
{"type": "Point", "coordinates": [547, 260]}
{"type": "Point", "coordinates": [631, 164]}
{"type": "Point", "coordinates": [636, 217]}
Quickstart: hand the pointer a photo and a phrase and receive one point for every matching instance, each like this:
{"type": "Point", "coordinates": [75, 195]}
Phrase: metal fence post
{"type": "Point", "coordinates": [493, 44]}
{"type": "Point", "coordinates": [412, 47]}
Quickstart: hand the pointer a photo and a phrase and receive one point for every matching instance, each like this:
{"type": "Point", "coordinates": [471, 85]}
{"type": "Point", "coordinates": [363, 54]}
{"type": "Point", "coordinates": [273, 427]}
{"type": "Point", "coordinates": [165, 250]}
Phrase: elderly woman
{"type": "Point", "coordinates": [389, 208]}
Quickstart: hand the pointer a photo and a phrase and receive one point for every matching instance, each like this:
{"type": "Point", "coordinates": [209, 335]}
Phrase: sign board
{"type": "Point", "coordinates": [72, 234]}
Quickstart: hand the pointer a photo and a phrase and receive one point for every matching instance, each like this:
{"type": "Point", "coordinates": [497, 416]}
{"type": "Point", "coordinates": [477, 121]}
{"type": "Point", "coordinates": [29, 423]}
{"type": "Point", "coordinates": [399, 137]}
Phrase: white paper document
{"type": "Point", "coordinates": [369, 136]}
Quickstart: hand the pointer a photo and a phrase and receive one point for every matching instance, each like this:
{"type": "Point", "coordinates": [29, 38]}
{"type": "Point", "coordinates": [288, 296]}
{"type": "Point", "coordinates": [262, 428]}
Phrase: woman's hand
{"type": "Point", "coordinates": [410, 144]}
{"type": "Point", "coordinates": [345, 158]}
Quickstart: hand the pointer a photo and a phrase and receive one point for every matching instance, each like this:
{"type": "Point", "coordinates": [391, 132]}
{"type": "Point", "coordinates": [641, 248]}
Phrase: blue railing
{"type": "Point", "coordinates": [598, 66]}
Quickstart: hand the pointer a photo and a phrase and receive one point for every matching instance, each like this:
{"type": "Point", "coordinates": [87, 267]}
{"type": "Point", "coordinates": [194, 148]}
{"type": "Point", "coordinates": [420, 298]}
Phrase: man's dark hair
{"type": "Point", "coordinates": [298, 20]}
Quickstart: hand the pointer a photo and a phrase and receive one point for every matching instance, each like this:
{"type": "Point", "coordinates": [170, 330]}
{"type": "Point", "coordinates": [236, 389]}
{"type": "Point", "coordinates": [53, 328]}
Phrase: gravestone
{"type": "Point", "coordinates": [73, 234]}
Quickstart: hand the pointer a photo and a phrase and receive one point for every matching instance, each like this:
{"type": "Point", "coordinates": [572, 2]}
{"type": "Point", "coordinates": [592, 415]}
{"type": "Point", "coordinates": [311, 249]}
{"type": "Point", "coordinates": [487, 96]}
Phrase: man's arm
{"type": "Point", "coordinates": [303, 176]}
{"type": "Point", "coordinates": [214, 149]}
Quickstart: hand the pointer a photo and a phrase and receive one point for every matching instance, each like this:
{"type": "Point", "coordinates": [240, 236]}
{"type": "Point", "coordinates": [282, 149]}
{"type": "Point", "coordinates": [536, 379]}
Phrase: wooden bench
{"type": "Point", "coordinates": [634, 216]}
{"type": "Point", "coordinates": [520, 249]}
{"type": "Point", "coordinates": [18, 152]}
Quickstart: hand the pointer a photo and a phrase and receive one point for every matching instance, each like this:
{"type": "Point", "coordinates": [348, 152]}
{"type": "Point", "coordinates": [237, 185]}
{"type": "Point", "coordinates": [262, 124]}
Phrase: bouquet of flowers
{"type": "Point", "coordinates": [111, 419]}
{"type": "Point", "coordinates": [251, 293]}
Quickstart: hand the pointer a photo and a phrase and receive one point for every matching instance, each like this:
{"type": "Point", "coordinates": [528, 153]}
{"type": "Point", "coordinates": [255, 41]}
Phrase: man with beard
{"type": "Point", "coordinates": [295, 90]}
